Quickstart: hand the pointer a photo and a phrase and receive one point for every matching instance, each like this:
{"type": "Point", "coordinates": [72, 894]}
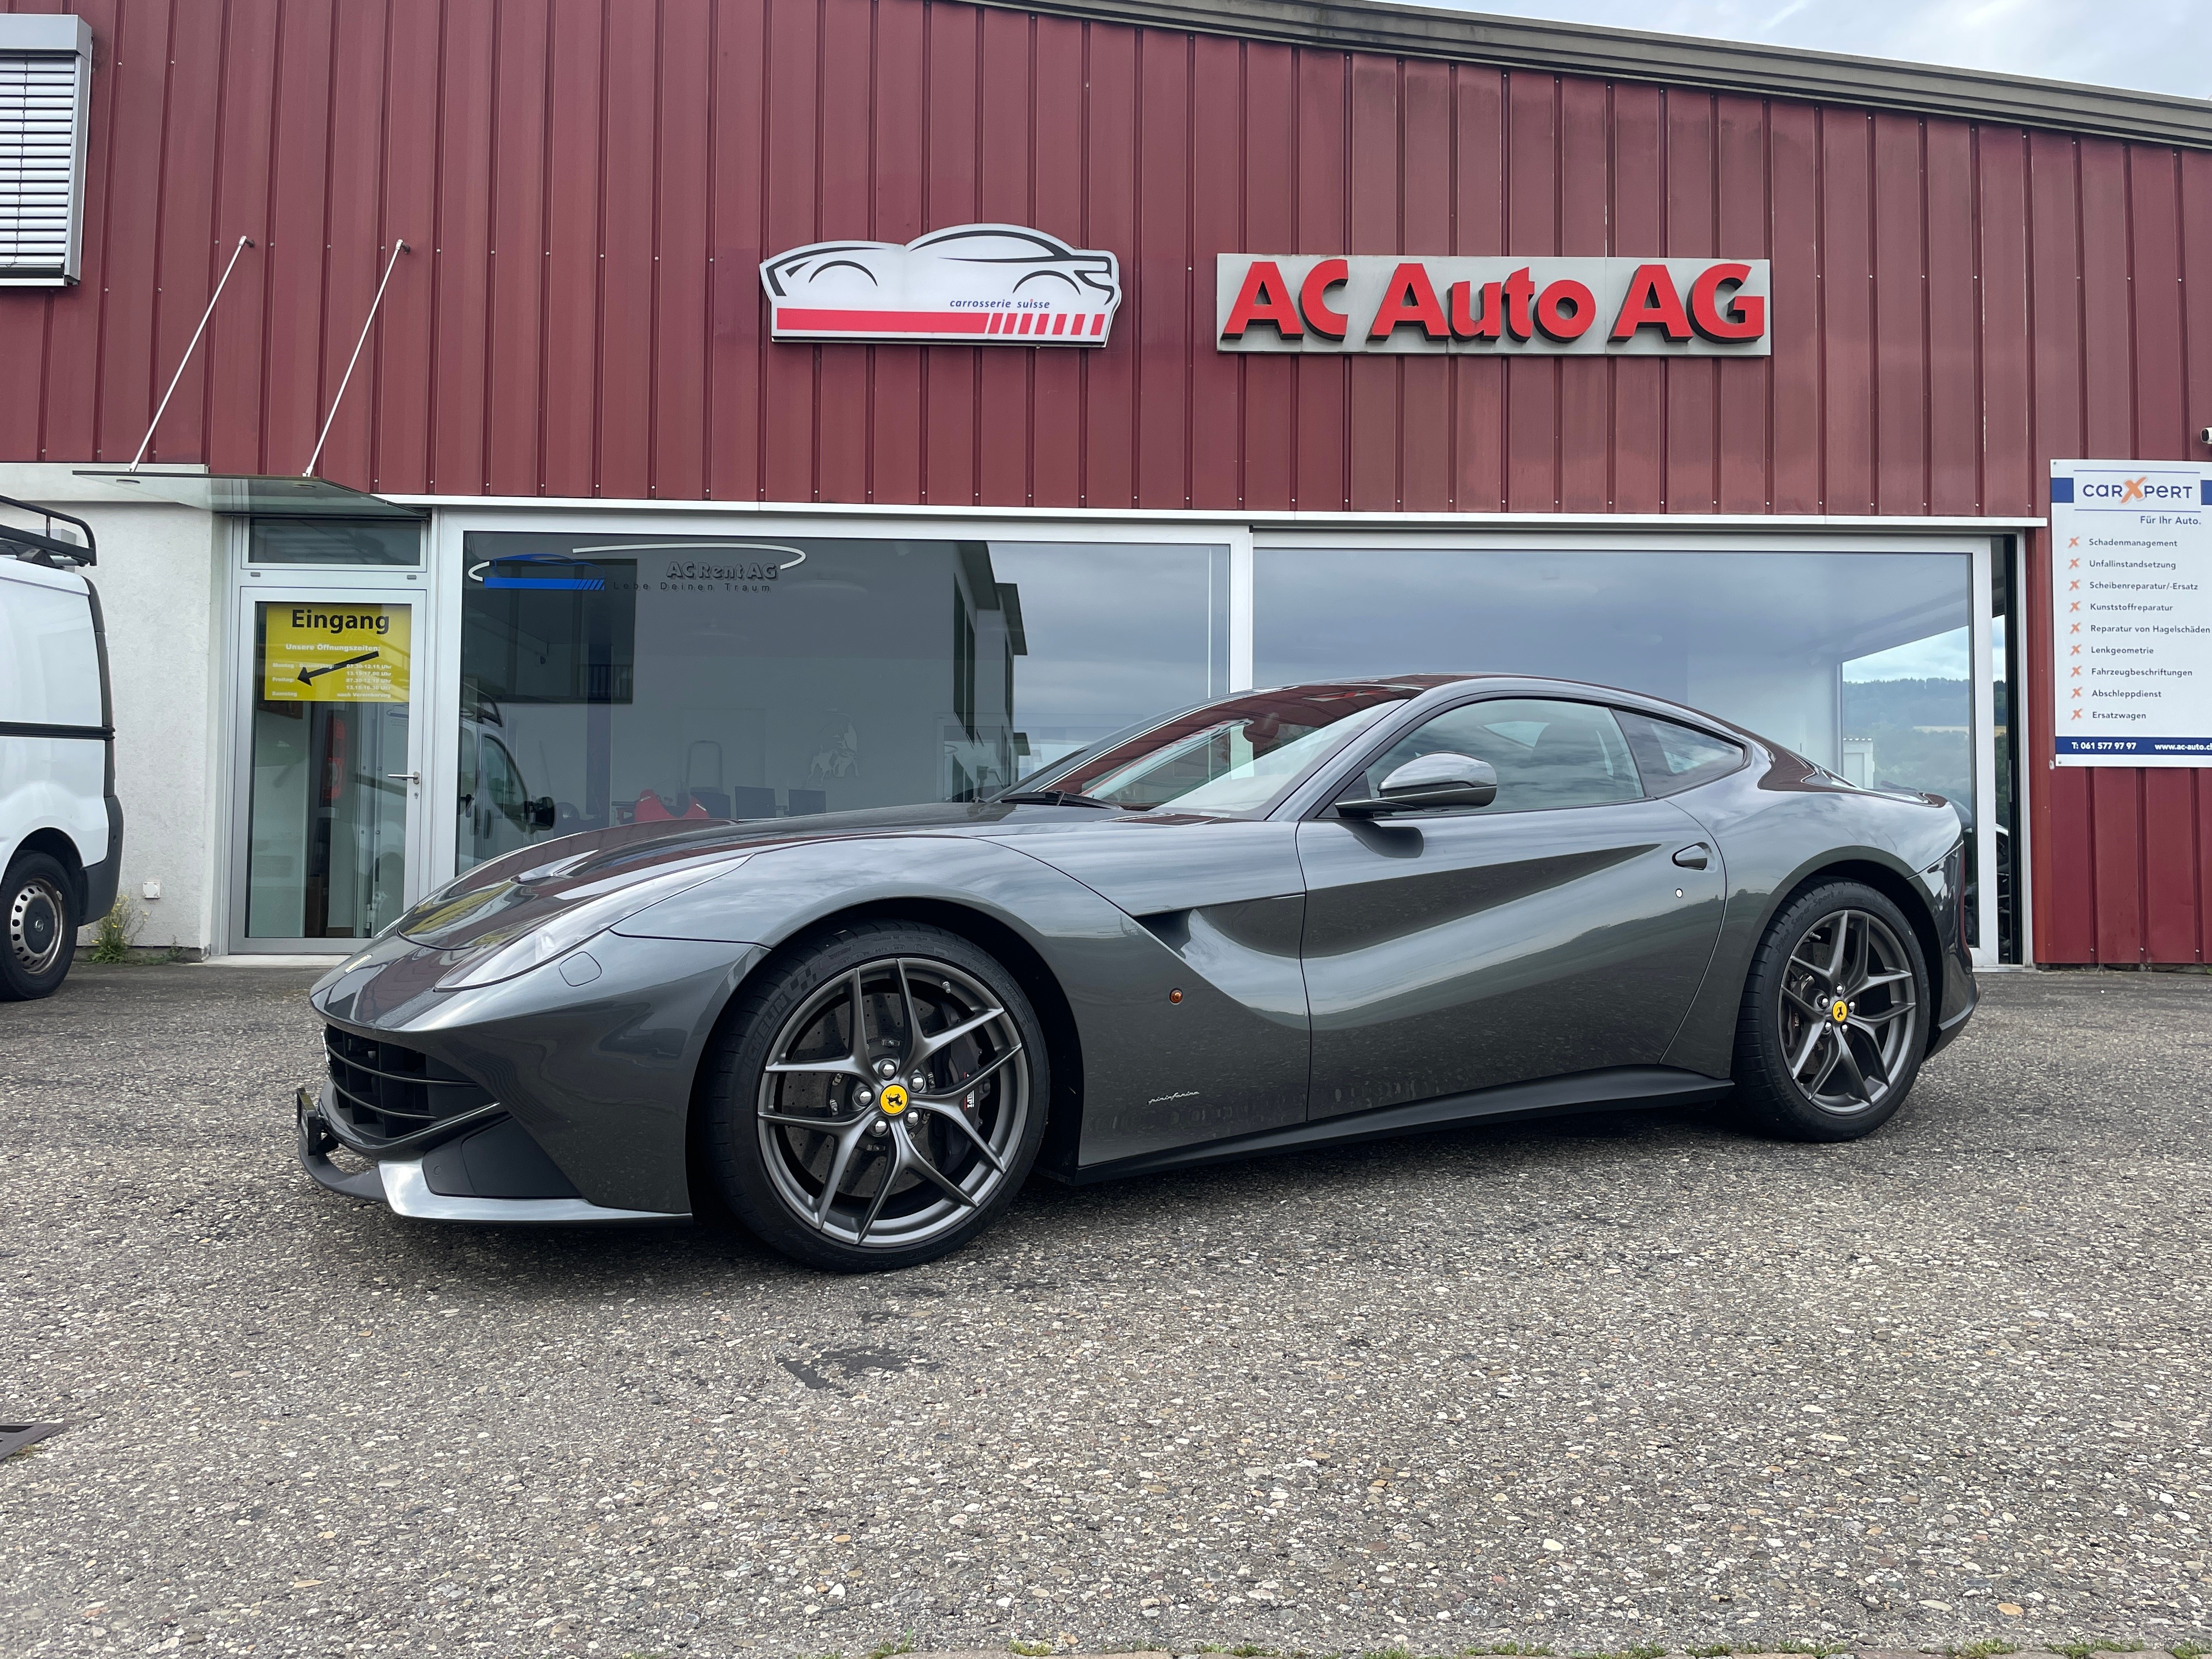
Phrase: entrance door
{"type": "Point", "coordinates": [1564, 928]}
{"type": "Point", "coordinates": [331, 754]}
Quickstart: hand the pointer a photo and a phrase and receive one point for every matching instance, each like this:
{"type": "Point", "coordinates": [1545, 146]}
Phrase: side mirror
{"type": "Point", "coordinates": [1439, 780]}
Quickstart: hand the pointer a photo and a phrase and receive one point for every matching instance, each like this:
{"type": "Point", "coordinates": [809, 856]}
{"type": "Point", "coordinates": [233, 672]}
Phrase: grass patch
{"type": "Point", "coordinates": [885, 1649]}
{"type": "Point", "coordinates": [1030, 1650]}
{"type": "Point", "coordinates": [113, 933]}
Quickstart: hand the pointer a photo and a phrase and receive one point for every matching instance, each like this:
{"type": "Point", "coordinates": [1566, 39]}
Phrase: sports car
{"type": "Point", "coordinates": [1287, 919]}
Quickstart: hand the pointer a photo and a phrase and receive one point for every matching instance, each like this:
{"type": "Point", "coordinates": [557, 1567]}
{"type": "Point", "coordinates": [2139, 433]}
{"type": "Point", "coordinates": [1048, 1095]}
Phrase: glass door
{"type": "Point", "coordinates": [329, 766]}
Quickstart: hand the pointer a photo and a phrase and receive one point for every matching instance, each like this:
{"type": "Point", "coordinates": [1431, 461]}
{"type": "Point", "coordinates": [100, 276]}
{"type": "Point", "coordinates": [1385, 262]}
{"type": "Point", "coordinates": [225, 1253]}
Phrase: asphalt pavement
{"type": "Point", "coordinates": [1628, 1381]}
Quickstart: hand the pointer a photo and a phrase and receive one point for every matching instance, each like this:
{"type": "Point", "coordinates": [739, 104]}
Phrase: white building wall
{"type": "Point", "coordinates": [159, 581]}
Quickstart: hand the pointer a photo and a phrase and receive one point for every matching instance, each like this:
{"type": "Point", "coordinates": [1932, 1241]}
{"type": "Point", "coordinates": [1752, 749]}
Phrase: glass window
{"type": "Point", "coordinates": [326, 811]}
{"type": "Point", "coordinates": [619, 678]}
{"type": "Point", "coordinates": [335, 541]}
{"type": "Point", "coordinates": [1673, 757]}
{"type": "Point", "coordinates": [1859, 662]}
{"type": "Point", "coordinates": [1547, 755]}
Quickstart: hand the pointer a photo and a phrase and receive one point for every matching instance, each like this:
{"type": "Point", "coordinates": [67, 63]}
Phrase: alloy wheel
{"type": "Point", "coordinates": [1849, 1014]}
{"type": "Point", "coordinates": [36, 915]}
{"type": "Point", "coordinates": [892, 1102]}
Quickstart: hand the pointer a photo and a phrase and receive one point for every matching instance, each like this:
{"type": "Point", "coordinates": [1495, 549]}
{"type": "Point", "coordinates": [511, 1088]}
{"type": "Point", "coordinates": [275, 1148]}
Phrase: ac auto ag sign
{"type": "Point", "coordinates": [1514, 306]}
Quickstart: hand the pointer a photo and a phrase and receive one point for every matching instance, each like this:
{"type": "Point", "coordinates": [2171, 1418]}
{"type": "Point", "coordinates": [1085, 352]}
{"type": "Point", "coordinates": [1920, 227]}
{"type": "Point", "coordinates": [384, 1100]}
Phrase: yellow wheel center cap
{"type": "Point", "coordinates": [893, 1098]}
{"type": "Point", "coordinates": [1841, 1012]}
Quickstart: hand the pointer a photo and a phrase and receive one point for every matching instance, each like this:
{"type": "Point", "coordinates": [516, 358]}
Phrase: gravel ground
{"type": "Point", "coordinates": [1631, 1379]}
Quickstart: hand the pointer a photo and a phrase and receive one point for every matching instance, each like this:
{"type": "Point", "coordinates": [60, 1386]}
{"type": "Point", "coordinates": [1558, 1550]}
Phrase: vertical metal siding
{"type": "Point", "coordinates": [589, 187]}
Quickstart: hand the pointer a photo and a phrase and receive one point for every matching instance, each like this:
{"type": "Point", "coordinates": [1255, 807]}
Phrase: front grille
{"type": "Point", "coordinates": [384, 1092]}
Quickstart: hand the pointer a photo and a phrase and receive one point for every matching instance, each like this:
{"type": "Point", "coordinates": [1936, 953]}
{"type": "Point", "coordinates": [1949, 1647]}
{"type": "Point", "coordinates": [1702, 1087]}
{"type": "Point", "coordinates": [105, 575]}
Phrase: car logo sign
{"type": "Point", "coordinates": [969, 285]}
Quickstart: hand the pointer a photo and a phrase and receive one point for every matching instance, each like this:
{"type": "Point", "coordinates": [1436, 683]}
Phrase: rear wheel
{"type": "Point", "coordinates": [1834, 1017]}
{"type": "Point", "coordinates": [38, 927]}
{"type": "Point", "coordinates": [879, 1098]}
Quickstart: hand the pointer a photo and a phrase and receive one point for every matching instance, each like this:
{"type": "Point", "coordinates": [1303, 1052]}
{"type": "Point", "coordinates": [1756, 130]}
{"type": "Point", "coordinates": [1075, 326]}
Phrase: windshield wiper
{"type": "Point", "coordinates": [1054, 798]}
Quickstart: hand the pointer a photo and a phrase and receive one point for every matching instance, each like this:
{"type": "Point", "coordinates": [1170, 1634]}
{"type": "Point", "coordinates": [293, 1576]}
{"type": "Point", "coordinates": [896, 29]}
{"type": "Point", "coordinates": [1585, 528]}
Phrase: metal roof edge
{"type": "Point", "coordinates": [1761, 70]}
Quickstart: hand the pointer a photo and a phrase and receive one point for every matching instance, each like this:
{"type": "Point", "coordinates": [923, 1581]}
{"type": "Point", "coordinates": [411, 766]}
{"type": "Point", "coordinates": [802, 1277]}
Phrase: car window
{"type": "Point", "coordinates": [1677, 757]}
{"type": "Point", "coordinates": [1548, 755]}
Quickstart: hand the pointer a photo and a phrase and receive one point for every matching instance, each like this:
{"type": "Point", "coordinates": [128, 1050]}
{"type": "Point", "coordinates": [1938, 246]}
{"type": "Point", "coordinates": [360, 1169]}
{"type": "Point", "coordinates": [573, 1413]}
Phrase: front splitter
{"type": "Point", "coordinates": [400, 1184]}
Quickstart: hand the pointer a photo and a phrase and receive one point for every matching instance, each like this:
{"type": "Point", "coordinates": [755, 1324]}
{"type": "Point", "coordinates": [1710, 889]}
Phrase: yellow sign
{"type": "Point", "coordinates": [327, 651]}
{"type": "Point", "coordinates": [893, 1099]}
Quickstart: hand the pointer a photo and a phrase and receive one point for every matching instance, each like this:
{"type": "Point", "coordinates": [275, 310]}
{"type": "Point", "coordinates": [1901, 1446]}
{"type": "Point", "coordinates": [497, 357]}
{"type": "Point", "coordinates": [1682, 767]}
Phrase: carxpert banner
{"type": "Point", "coordinates": [322, 651]}
{"type": "Point", "coordinates": [2131, 590]}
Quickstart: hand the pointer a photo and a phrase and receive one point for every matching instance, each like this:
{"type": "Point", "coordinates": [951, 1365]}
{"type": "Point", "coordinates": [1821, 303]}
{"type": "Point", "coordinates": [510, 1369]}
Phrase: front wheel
{"type": "Point", "coordinates": [1834, 1017]}
{"type": "Point", "coordinates": [879, 1098]}
{"type": "Point", "coordinates": [37, 928]}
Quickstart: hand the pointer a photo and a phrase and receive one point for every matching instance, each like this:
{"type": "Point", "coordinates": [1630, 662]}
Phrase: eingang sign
{"type": "Point", "coordinates": [1515, 306]}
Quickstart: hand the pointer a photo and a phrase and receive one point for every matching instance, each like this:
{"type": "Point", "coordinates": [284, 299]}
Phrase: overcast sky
{"type": "Point", "coordinates": [2160, 45]}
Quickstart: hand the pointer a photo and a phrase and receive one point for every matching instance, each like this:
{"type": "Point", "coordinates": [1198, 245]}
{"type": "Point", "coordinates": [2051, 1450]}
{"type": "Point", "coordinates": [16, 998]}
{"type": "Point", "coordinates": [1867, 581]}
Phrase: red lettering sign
{"type": "Point", "coordinates": [1265, 298]}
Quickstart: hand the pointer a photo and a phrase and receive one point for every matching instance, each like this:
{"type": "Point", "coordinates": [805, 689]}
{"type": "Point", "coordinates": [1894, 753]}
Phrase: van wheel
{"type": "Point", "coordinates": [37, 928]}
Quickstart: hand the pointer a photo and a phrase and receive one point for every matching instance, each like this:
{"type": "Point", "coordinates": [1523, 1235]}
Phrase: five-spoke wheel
{"type": "Point", "coordinates": [1831, 1034]}
{"type": "Point", "coordinates": [1848, 1010]}
{"type": "Point", "coordinates": [895, 1081]}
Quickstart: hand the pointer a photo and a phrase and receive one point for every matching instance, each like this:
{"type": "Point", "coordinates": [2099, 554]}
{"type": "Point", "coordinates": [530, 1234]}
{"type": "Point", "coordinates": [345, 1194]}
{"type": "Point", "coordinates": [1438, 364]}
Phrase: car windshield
{"type": "Point", "coordinates": [1235, 756]}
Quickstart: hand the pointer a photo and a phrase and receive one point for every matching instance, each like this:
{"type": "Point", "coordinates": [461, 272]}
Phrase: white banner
{"type": "Point", "coordinates": [2131, 593]}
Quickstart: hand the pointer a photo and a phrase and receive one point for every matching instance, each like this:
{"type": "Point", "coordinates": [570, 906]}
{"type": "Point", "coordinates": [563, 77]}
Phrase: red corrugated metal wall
{"type": "Point", "coordinates": [588, 186]}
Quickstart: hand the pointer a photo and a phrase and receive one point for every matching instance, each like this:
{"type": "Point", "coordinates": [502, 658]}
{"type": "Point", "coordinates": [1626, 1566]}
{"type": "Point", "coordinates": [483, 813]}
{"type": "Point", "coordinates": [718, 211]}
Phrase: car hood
{"type": "Point", "coordinates": [508, 896]}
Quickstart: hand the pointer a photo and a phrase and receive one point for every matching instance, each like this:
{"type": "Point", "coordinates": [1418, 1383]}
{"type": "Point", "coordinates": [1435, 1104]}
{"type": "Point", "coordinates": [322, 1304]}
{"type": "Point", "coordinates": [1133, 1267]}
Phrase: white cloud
{"type": "Point", "coordinates": [2157, 46]}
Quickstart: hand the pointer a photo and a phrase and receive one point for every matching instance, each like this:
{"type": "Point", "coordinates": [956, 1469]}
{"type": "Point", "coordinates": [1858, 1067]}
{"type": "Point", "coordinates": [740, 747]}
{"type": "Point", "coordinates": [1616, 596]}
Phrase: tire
{"type": "Point", "coordinates": [1803, 1073]}
{"type": "Point", "coordinates": [38, 927]}
{"type": "Point", "coordinates": [898, 1156]}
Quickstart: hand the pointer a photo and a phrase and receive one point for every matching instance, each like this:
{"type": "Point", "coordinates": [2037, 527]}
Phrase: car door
{"type": "Point", "coordinates": [1565, 927]}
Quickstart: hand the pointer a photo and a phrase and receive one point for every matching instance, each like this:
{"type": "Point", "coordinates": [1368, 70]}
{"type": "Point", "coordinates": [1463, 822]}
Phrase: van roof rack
{"type": "Point", "coordinates": [45, 547]}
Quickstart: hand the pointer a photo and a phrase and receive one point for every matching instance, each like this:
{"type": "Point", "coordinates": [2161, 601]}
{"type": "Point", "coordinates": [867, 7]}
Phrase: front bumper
{"type": "Point", "coordinates": [402, 1181]}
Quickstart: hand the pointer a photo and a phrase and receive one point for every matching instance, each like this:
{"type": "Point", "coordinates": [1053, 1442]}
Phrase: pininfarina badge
{"type": "Point", "coordinates": [971, 285]}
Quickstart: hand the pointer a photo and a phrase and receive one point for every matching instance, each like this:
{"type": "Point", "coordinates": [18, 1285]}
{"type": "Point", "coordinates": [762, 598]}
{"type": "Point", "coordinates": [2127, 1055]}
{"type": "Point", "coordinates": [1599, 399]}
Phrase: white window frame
{"type": "Point", "coordinates": [26, 38]}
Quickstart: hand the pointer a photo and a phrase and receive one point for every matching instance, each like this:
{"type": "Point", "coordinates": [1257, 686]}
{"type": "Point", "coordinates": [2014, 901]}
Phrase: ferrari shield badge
{"type": "Point", "coordinates": [971, 285]}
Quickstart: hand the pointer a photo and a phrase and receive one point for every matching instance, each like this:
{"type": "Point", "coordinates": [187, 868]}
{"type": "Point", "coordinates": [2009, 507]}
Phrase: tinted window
{"type": "Point", "coordinates": [334, 541]}
{"type": "Point", "coordinates": [1675, 757]}
{"type": "Point", "coordinates": [1548, 755]}
{"type": "Point", "coordinates": [639, 678]}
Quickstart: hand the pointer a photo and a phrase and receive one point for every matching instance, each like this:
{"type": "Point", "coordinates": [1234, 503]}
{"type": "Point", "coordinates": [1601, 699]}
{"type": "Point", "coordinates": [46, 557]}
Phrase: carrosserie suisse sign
{"type": "Point", "coordinates": [969, 285]}
{"type": "Point", "coordinates": [1513, 304]}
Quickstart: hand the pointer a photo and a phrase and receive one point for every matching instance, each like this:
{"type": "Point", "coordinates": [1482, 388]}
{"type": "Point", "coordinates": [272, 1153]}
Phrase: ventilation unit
{"type": "Point", "coordinates": [45, 73]}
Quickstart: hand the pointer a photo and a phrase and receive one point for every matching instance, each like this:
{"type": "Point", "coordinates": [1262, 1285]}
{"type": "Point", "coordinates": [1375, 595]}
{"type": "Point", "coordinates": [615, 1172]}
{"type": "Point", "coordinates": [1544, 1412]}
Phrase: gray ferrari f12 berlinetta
{"type": "Point", "coordinates": [1282, 920]}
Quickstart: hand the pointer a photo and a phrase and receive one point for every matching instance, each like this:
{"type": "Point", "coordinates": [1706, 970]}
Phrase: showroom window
{"type": "Point", "coordinates": [612, 678]}
{"type": "Point", "coordinates": [1859, 662]}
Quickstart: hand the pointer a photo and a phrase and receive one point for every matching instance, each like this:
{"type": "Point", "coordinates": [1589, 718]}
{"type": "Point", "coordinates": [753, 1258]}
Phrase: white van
{"type": "Point", "coordinates": [61, 828]}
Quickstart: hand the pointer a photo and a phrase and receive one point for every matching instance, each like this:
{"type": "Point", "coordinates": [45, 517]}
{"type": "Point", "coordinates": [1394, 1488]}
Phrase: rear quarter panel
{"type": "Point", "coordinates": [1776, 828]}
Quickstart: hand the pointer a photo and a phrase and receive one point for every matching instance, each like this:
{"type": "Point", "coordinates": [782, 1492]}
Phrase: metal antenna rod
{"type": "Point", "coordinates": [347, 378]}
{"type": "Point", "coordinates": [244, 243]}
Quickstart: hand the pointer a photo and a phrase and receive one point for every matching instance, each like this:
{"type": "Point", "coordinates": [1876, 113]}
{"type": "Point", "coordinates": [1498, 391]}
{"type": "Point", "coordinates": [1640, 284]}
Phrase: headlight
{"type": "Point", "coordinates": [592, 911]}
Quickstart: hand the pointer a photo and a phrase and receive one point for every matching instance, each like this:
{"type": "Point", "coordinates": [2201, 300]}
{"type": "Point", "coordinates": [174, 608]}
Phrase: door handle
{"type": "Point", "coordinates": [1695, 856]}
{"type": "Point", "coordinates": [417, 777]}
